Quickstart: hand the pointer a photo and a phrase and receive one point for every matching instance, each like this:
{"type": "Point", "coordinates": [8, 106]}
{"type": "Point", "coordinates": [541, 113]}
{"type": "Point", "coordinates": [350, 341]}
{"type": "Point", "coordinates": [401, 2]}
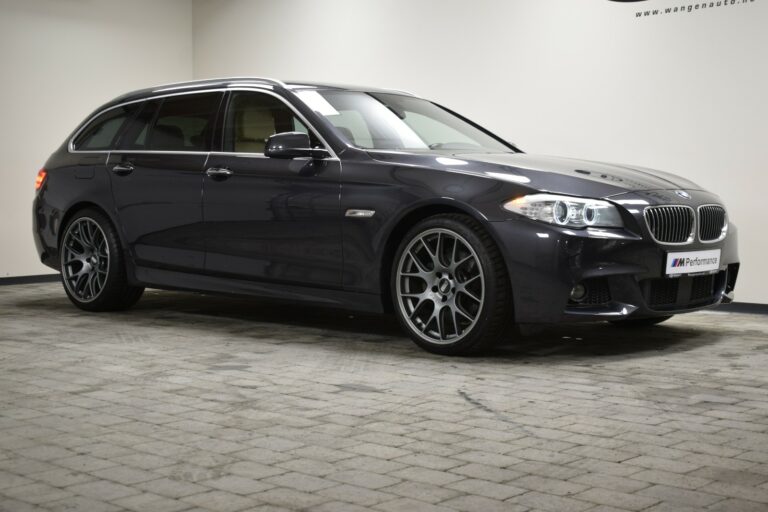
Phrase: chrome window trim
{"type": "Point", "coordinates": [724, 231]}
{"type": "Point", "coordinates": [235, 153]}
{"type": "Point", "coordinates": [694, 224]}
{"type": "Point", "coordinates": [156, 151]}
{"type": "Point", "coordinates": [250, 88]}
{"type": "Point", "coordinates": [262, 155]}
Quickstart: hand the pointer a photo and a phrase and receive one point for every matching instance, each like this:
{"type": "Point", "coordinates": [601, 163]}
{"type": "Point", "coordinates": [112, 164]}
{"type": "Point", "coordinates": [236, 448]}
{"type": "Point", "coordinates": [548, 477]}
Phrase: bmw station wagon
{"type": "Point", "coordinates": [372, 200]}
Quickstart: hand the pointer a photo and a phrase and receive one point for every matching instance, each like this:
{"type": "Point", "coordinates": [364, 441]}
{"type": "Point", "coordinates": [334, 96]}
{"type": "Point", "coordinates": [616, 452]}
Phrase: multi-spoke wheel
{"type": "Point", "coordinates": [450, 286]}
{"type": "Point", "coordinates": [92, 264]}
{"type": "Point", "coordinates": [440, 285]}
{"type": "Point", "coordinates": [85, 259]}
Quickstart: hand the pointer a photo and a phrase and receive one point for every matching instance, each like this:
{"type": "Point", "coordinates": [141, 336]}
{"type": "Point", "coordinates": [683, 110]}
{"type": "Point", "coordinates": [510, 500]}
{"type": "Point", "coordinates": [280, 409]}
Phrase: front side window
{"type": "Point", "coordinates": [103, 131]}
{"type": "Point", "coordinates": [253, 117]}
{"type": "Point", "coordinates": [395, 121]}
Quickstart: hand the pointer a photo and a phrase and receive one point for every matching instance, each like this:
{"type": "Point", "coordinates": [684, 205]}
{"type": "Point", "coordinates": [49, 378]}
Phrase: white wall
{"type": "Point", "coordinates": [60, 59]}
{"type": "Point", "coordinates": [684, 93]}
{"type": "Point", "coordinates": [679, 92]}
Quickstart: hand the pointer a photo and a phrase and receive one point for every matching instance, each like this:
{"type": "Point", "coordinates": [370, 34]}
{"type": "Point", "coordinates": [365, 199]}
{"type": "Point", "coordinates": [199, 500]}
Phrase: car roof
{"type": "Point", "coordinates": [214, 83]}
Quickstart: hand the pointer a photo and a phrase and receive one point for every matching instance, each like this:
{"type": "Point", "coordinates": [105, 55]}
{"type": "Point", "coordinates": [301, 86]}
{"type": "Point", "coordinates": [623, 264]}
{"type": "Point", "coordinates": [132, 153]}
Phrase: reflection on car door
{"type": "Point", "coordinates": [157, 179]}
{"type": "Point", "coordinates": [266, 218]}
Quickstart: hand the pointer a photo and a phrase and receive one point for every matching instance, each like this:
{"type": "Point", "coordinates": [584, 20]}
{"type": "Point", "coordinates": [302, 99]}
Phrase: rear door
{"type": "Point", "coordinates": [270, 219]}
{"type": "Point", "coordinates": [157, 179]}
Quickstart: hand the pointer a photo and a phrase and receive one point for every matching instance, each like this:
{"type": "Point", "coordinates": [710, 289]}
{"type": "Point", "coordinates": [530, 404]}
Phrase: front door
{"type": "Point", "coordinates": [270, 219]}
{"type": "Point", "coordinates": [157, 179]}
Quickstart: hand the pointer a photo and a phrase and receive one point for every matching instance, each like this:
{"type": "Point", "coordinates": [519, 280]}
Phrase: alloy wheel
{"type": "Point", "coordinates": [440, 286]}
{"type": "Point", "coordinates": [85, 259]}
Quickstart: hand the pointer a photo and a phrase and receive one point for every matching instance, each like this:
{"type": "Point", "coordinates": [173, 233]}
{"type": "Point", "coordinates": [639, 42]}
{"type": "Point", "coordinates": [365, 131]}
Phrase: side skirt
{"type": "Point", "coordinates": [175, 280]}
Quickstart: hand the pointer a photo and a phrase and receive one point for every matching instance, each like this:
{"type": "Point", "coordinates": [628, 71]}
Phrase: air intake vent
{"type": "Point", "coordinates": [702, 288]}
{"type": "Point", "coordinates": [663, 292]}
{"type": "Point", "coordinates": [711, 223]}
{"type": "Point", "coordinates": [596, 293]}
{"type": "Point", "coordinates": [670, 224]}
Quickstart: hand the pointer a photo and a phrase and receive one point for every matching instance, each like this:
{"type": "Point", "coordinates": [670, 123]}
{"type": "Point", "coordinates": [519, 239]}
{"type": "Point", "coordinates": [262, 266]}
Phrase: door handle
{"type": "Point", "coordinates": [123, 169]}
{"type": "Point", "coordinates": [219, 173]}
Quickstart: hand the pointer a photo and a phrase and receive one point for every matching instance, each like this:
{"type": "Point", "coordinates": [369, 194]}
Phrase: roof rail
{"type": "Point", "coordinates": [273, 81]}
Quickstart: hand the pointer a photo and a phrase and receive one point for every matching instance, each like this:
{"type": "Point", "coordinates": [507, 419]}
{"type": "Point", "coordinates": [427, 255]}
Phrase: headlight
{"type": "Point", "coordinates": [572, 212]}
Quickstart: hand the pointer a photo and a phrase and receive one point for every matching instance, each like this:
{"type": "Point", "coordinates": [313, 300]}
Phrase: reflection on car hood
{"type": "Point", "coordinates": [548, 173]}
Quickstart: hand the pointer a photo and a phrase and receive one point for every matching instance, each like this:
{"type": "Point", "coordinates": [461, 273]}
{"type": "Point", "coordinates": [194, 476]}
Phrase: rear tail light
{"type": "Point", "coordinates": [41, 174]}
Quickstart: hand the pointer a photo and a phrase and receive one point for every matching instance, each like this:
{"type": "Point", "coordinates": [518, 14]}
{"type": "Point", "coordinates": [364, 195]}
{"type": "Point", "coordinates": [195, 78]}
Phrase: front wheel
{"type": "Point", "coordinates": [93, 265]}
{"type": "Point", "coordinates": [450, 286]}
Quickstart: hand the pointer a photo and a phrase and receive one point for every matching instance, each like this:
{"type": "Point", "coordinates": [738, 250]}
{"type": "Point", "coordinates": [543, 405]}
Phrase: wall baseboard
{"type": "Point", "coordinates": [733, 307]}
{"type": "Point", "coordinates": [744, 307]}
{"type": "Point", "coordinates": [43, 278]}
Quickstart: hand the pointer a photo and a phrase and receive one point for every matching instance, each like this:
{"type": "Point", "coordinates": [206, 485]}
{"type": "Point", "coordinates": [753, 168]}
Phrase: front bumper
{"type": "Point", "coordinates": [623, 270]}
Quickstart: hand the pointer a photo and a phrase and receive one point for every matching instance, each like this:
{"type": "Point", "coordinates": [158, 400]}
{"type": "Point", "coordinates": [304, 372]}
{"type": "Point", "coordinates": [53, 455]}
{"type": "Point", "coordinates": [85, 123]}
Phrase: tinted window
{"type": "Point", "coordinates": [185, 123]}
{"type": "Point", "coordinates": [102, 132]}
{"type": "Point", "coordinates": [252, 117]}
{"type": "Point", "coordinates": [135, 135]}
{"type": "Point", "coordinates": [178, 123]}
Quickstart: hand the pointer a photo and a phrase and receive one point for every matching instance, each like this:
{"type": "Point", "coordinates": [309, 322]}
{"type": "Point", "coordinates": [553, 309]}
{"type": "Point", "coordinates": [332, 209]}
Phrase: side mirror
{"type": "Point", "coordinates": [292, 145]}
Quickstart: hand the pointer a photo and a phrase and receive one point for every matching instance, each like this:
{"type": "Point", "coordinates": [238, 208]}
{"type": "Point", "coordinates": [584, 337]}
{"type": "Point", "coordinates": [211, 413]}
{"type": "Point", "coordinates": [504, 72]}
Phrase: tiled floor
{"type": "Point", "coordinates": [197, 403]}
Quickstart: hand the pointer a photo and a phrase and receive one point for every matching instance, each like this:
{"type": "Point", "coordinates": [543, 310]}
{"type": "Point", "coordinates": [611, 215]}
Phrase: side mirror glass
{"type": "Point", "coordinates": [292, 145]}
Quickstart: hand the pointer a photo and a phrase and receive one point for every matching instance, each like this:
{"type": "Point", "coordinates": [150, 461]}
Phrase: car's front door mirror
{"type": "Point", "coordinates": [292, 145]}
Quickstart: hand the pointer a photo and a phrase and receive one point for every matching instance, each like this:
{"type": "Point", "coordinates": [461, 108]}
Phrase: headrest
{"type": "Point", "coordinates": [167, 137]}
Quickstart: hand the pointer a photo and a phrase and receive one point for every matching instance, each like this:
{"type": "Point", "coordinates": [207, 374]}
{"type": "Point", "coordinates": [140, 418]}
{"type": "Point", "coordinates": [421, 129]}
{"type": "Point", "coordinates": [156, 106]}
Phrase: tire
{"type": "Point", "coordinates": [639, 323]}
{"type": "Point", "coordinates": [450, 287]}
{"type": "Point", "coordinates": [92, 264]}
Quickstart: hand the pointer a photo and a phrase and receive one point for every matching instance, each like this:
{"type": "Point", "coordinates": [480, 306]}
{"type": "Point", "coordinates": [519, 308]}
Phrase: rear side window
{"type": "Point", "coordinates": [102, 132]}
{"type": "Point", "coordinates": [253, 117]}
{"type": "Point", "coordinates": [185, 123]}
{"type": "Point", "coordinates": [178, 123]}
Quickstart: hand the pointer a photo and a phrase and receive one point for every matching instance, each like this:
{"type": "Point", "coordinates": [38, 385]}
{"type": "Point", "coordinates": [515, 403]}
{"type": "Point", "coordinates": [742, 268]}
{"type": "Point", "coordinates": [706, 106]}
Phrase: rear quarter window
{"type": "Point", "coordinates": [102, 133]}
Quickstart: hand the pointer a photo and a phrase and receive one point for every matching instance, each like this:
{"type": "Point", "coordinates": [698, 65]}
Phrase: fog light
{"type": "Point", "coordinates": [578, 293]}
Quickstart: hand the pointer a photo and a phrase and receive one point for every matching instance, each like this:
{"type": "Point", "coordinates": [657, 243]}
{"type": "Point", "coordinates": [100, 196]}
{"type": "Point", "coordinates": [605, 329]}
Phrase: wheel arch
{"type": "Point", "coordinates": [401, 226]}
{"type": "Point", "coordinates": [79, 206]}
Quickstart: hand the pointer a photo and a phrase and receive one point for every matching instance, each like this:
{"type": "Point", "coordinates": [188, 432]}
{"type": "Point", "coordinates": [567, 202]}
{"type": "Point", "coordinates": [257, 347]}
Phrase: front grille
{"type": "Point", "coordinates": [702, 287]}
{"type": "Point", "coordinates": [711, 222]}
{"type": "Point", "coordinates": [670, 224]}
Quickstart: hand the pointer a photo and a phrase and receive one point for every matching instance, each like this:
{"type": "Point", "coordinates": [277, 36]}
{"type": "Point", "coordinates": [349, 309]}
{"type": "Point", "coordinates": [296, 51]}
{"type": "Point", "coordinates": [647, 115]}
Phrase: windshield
{"type": "Point", "coordinates": [394, 121]}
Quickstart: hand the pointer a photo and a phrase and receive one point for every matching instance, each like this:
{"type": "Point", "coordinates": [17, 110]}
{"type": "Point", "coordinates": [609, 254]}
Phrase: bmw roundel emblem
{"type": "Point", "coordinates": [683, 194]}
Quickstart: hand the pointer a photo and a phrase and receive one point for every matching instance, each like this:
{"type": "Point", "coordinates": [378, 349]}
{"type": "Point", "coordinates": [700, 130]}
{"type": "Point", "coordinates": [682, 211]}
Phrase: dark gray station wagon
{"type": "Point", "coordinates": [373, 200]}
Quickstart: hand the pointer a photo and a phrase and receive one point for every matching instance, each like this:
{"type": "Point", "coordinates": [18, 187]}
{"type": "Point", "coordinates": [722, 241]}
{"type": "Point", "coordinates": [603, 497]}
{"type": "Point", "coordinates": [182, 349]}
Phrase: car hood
{"type": "Point", "coordinates": [548, 173]}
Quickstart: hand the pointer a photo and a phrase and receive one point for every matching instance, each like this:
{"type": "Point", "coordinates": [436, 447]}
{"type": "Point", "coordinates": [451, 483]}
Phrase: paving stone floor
{"type": "Point", "coordinates": [190, 402]}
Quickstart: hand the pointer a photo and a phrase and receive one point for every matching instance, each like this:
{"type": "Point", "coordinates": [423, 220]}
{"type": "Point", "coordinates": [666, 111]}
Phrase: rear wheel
{"type": "Point", "coordinates": [641, 322]}
{"type": "Point", "coordinates": [93, 266]}
{"type": "Point", "coordinates": [450, 286]}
